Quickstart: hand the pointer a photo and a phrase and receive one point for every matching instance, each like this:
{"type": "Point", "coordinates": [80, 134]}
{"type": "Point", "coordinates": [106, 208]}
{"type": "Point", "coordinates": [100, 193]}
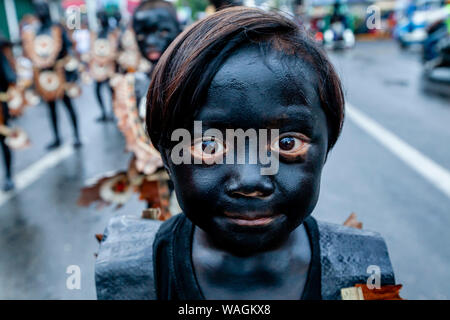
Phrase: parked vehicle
{"type": "Point", "coordinates": [436, 50]}
{"type": "Point", "coordinates": [413, 21]}
{"type": "Point", "coordinates": [337, 33]}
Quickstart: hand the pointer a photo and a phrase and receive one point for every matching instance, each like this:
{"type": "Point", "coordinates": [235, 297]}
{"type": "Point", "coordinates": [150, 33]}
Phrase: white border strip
{"type": "Point", "coordinates": [36, 170]}
{"type": "Point", "coordinates": [427, 168]}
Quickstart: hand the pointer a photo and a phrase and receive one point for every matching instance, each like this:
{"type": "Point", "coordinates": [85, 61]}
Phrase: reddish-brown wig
{"type": "Point", "coordinates": [182, 77]}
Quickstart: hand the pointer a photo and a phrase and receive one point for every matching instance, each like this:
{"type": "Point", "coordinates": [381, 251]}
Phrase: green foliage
{"type": "Point", "coordinates": [195, 5]}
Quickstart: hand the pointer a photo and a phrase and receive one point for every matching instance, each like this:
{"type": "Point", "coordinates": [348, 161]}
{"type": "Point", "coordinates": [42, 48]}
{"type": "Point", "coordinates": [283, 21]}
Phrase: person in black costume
{"type": "Point", "coordinates": [103, 33]}
{"type": "Point", "coordinates": [49, 29]}
{"type": "Point", "coordinates": [7, 78]}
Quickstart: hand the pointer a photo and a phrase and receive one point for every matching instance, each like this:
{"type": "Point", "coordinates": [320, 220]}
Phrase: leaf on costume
{"type": "Point", "coordinates": [99, 191]}
{"type": "Point", "coordinates": [388, 292]}
{"type": "Point", "coordinates": [91, 194]}
{"type": "Point", "coordinates": [353, 222]}
{"type": "Point", "coordinates": [99, 237]}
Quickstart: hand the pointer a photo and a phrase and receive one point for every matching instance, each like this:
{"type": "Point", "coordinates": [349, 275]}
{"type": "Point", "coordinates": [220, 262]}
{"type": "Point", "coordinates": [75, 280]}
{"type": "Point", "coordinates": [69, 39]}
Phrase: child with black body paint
{"type": "Point", "coordinates": [242, 234]}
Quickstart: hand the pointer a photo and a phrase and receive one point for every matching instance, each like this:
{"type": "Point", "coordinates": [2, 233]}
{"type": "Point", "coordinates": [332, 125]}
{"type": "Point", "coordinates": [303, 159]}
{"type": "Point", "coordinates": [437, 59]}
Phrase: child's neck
{"type": "Point", "coordinates": [276, 274]}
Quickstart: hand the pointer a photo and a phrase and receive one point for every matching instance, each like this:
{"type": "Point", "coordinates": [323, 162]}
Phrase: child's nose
{"type": "Point", "coordinates": [248, 182]}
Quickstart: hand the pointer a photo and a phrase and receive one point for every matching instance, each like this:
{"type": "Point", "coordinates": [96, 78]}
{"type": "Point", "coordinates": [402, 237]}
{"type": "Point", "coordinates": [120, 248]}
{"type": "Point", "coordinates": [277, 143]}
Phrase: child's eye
{"type": "Point", "coordinates": [207, 148]}
{"type": "Point", "coordinates": [290, 145]}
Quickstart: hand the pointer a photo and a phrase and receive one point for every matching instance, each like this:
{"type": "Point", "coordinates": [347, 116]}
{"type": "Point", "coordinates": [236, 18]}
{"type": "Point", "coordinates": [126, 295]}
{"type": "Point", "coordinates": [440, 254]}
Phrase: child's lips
{"type": "Point", "coordinates": [250, 219]}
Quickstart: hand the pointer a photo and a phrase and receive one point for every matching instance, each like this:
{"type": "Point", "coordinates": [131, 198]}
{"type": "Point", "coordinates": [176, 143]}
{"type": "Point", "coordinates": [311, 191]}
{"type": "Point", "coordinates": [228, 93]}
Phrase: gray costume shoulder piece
{"type": "Point", "coordinates": [345, 255]}
{"type": "Point", "coordinates": [124, 266]}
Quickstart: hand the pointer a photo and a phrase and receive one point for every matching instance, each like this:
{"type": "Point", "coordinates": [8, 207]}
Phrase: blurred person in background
{"type": "Point", "coordinates": [117, 18]}
{"type": "Point", "coordinates": [55, 71]}
{"type": "Point", "coordinates": [102, 65]}
{"type": "Point", "coordinates": [82, 40]}
{"type": "Point", "coordinates": [13, 100]}
{"type": "Point", "coordinates": [7, 78]}
{"type": "Point", "coordinates": [155, 26]}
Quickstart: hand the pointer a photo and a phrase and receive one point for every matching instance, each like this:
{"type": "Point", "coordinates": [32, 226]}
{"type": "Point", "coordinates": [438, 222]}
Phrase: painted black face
{"type": "Point", "coordinates": [42, 10]}
{"type": "Point", "coordinates": [240, 209]}
{"type": "Point", "coordinates": [155, 29]}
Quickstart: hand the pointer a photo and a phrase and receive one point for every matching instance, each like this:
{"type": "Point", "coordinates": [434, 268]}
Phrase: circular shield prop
{"type": "Point", "coordinates": [18, 139]}
{"type": "Point", "coordinates": [116, 190]}
{"type": "Point", "coordinates": [49, 80]}
{"type": "Point", "coordinates": [102, 48]}
{"type": "Point", "coordinates": [43, 45]}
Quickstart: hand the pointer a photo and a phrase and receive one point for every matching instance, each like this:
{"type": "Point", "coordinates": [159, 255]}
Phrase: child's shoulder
{"type": "Point", "coordinates": [134, 229]}
{"type": "Point", "coordinates": [340, 231]}
{"type": "Point", "coordinates": [125, 258]}
{"type": "Point", "coordinates": [350, 256]}
{"type": "Point", "coordinates": [126, 229]}
{"type": "Point", "coordinates": [336, 238]}
{"type": "Point", "coordinates": [124, 267]}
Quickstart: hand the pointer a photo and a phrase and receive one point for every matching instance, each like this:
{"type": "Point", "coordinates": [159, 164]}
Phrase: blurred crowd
{"type": "Point", "coordinates": [116, 46]}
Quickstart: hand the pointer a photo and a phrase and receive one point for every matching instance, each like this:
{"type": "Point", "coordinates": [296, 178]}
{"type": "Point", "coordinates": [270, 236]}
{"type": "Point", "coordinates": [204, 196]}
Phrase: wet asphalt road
{"type": "Point", "coordinates": [42, 231]}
